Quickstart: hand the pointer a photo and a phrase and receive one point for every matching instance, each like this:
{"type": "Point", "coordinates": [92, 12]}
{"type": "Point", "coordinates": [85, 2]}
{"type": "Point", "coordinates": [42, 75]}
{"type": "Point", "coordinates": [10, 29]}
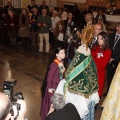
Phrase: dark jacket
{"type": "Point", "coordinates": [69, 112]}
{"type": "Point", "coordinates": [116, 51]}
{"type": "Point", "coordinates": [47, 20]}
{"type": "Point", "coordinates": [71, 24]}
{"type": "Point", "coordinates": [30, 7]}
{"type": "Point", "coordinates": [43, 6]}
{"type": "Point", "coordinates": [103, 17]}
{"type": "Point", "coordinates": [5, 9]}
{"type": "Point", "coordinates": [14, 20]}
{"type": "Point", "coordinates": [85, 12]}
{"type": "Point", "coordinates": [83, 16]}
{"type": "Point", "coordinates": [72, 47]}
{"type": "Point", "coordinates": [34, 26]}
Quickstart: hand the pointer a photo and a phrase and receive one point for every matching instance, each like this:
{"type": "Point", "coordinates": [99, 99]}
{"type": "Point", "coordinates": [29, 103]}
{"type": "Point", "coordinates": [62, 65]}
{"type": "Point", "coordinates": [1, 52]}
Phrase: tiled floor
{"type": "Point", "coordinates": [28, 67]}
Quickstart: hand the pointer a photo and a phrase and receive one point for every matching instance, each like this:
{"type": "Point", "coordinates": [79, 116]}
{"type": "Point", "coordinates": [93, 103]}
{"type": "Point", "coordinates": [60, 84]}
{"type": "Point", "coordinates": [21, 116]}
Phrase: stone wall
{"type": "Point", "coordinates": [61, 3]}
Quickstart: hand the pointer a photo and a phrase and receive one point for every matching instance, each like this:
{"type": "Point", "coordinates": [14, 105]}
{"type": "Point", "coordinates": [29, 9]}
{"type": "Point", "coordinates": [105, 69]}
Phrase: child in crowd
{"type": "Point", "coordinates": [53, 76]}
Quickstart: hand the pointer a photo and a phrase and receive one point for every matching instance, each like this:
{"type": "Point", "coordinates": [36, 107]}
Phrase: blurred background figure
{"type": "Point", "coordinates": [43, 6]}
{"type": "Point", "coordinates": [73, 43]}
{"type": "Point", "coordinates": [54, 20]}
{"type": "Point", "coordinates": [59, 31]}
{"type": "Point", "coordinates": [89, 19]}
{"type": "Point", "coordinates": [84, 13]}
{"type": "Point", "coordinates": [64, 15]}
{"type": "Point", "coordinates": [8, 6]}
{"type": "Point", "coordinates": [23, 32]}
{"type": "Point", "coordinates": [100, 15]}
{"type": "Point", "coordinates": [11, 22]}
{"type": "Point", "coordinates": [69, 25]}
{"type": "Point", "coordinates": [34, 27]}
{"type": "Point", "coordinates": [97, 30]}
{"type": "Point", "coordinates": [60, 12]}
{"type": "Point", "coordinates": [44, 23]}
{"type": "Point", "coordinates": [114, 42]}
{"type": "Point", "coordinates": [100, 21]}
{"type": "Point", "coordinates": [51, 11]}
{"type": "Point", "coordinates": [31, 6]}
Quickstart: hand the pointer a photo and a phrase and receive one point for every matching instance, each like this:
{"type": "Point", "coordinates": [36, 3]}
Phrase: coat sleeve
{"type": "Point", "coordinates": [105, 61]}
{"type": "Point", "coordinates": [49, 23]}
{"type": "Point", "coordinates": [50, 77]}
{"type": "Point", "coordinates": [117, 57]}
{"type": "Point", "coordinates": [27, 21]}
{"type": "Point", "coordinates": [16, 21]}
{"type": "Point", "coordinates": [57, 28]}
{"type": "Point", "coordinates": [20, 20]}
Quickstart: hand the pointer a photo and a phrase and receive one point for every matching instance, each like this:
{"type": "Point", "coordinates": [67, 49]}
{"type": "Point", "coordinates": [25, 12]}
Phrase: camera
{"type": "Point", "coordinates": [8, 86]}
{"type": "Point", "coordinates": [74, 34]}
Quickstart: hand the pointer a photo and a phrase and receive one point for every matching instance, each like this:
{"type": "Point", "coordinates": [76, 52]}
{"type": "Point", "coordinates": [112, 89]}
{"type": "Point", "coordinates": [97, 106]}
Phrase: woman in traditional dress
{"type": "Point", "coordinates": [101, 55]}
{"type": "Point", "coordinates": [81, 85]}
{"type": "Point", "coordinates": [52, 79]}
{"type": "Point", "coordinates": [111, 104]}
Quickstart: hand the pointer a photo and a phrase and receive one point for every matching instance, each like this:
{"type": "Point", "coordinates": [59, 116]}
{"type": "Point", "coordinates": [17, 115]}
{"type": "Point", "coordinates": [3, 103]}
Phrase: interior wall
{"type": "Point", "coordinates": [101, 3]}
{"type": "Point", "coordinates": [80, 5]}
{"type": "Point", "coordinates": [1, 3]}
{"type": "Point", "coordinates": [39, 2]}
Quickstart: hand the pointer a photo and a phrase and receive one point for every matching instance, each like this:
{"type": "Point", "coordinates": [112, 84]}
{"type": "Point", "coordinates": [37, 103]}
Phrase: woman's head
{"type": "Point", "coordinates": [103, 40]}
{"type": "Point", "coordinates": [54, 13]}
{"type": "Point", "coordinates": [100, 12]}
{"type": "Point", "coordinates": [24, 11]}
{"type": "Point", "coordinates": [60, 52]}
{"type": "Point", "coordinates": [70, 15]}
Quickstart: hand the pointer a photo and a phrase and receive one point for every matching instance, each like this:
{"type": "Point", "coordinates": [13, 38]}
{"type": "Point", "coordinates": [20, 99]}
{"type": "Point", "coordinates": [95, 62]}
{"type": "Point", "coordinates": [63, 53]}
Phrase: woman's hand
{"type": "Point", "coordinates": [71, 37]}
{"type": "Point", "coordinates": [51, 90]}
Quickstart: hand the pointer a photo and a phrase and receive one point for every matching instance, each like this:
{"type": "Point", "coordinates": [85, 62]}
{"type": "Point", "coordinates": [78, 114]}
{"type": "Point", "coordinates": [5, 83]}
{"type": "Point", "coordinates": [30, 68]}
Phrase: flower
{"type": "Point", "coordinates": [99, 55]}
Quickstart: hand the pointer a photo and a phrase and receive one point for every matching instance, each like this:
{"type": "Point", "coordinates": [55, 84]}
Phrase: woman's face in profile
{"type": "Point", "coordinates": [61, 54]}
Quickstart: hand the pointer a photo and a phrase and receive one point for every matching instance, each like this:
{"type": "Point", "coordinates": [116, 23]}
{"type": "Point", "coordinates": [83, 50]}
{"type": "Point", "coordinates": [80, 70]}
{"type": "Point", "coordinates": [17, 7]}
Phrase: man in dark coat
{"type": "Point", "coordinates": [31, 6]}
{"type": "Point", "coordinates": [84, 13]}
{"type": "Point", "coordinates": [8, 6]}
{"type": "Point", "coordinates": [43, 6]}
{"type": "Point", "coordinates": [114, 42]}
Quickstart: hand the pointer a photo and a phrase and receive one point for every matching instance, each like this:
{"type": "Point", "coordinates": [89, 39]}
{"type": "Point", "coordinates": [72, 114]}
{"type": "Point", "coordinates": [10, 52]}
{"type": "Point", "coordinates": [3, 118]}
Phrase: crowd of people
{"type": "Point", "coordinates": [74, 85]}
{"type": "Point", "coordinates": [38, 23]}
